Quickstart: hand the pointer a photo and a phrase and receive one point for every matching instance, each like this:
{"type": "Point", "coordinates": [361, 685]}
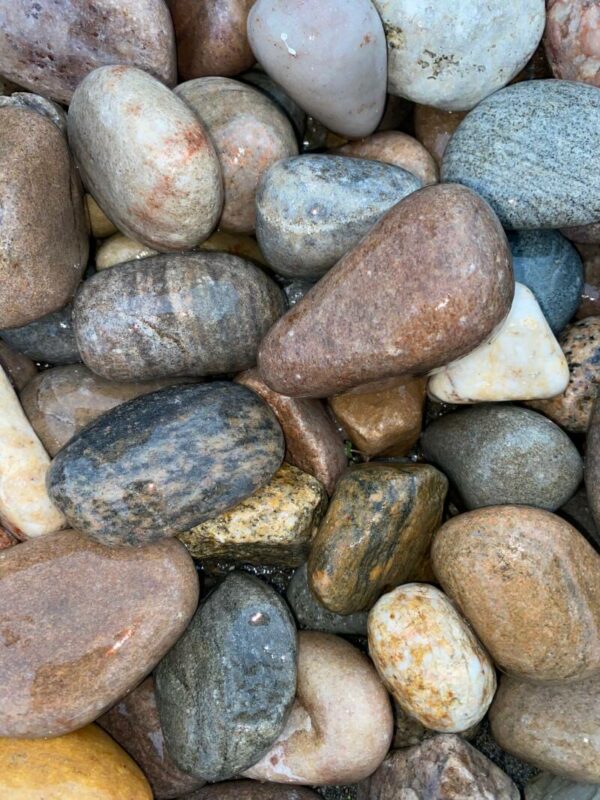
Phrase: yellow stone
{"type": "Point", "coordinates": [100, 225]}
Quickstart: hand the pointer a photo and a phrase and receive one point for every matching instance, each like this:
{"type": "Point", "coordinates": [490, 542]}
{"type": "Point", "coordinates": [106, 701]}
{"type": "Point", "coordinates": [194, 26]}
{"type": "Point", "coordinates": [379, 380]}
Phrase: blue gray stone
{"type": "Point", "coordinates": [50, 339]}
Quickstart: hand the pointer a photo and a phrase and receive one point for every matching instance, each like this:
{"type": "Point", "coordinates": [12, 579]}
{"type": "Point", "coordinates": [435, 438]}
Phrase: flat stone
{"type": "Point", "coordinates": [251, 790]}
{"type": "Point", "coordinates": [146, 158]}
{"type": "Point", "coordinates": [83, 765]}
{"type": "Point", "coordinates": [592, 464]}
{"type": "Point", "coordinates": [554, 727]}
{"type": "Point", "coordinates": [434, 127]}
{"type": "Point", "coordinates": [394, 147]}
{"type": "Point", "coordinates": [250, 133]}
{"type": "Point", "coordinates": [134, 724]}
{"type": "Point", "coordinates": [100, 225]}
{"type": "Point", "coordinates": [376, 531]}
{"type": "Point", "coordinates": [222, 307]}
{"type": "Point", "coordinates": [570, 40]}
{"type": "Point", "coordinates": [551, 787]}
{"type": "Point", "coordinates": [161, 463]}
{"type": "Point", "coordinates": [452, 55]}
{"type": "Point", "coordinates": [49, 339]}
{"type": "Point", "coordinates": [135, 603]}
{"type": "Point", "coordinates": [529, 584]}
{"type": "Point", "coordinates": [520, 361]}
{"type": "Point", "coordinates": [225, 690]}
{"type": "Point", "coordinates": [430, 659]}
{"type": "Point", "coordinates": [18, 368]}
{"type": "Point", "coordinates": [312, 209]}
{"type": "Point", "coordinates": [43, 239]}
{"type": "Point", "coordinates": [452, 298]}
{"type": "Point", "coordinates": [526, 150]}
{"type": "Point", "coordinates": [504, 455]}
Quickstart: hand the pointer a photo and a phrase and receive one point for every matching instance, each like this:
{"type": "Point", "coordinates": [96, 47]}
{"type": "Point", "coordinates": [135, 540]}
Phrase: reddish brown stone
{"type": "Point", "coordinates": [7, 539]}
{"type": "Point", "coordinates": [434, 127]}
{"type": "Point", "coordinates": [583, 234]}
{"type": "Point", "coordinates": [399, 149]}
{"type": "Point", "coordinates": [572, 40]}
{"type": "Point", "coordinates": [18, 367]}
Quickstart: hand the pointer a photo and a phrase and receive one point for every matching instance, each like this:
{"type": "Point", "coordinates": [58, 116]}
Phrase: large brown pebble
{"type": "Point", "coordinates": [43, 236]}
{"type": "Point", "coordinates": [393, 147]}
{"type": "Point", "coordinates": [252, 790]}
{"type": "Point", "coordinates": [552, 727]}
{"type": "Point", "coordinates": [49, 47]}
{"type": "Point", "coordinates": [445, 247]}
{"type": "Point", "coordinates": [529, 584]}
{"type": "Point", "coordinates": [434, 127]}
{"type": "Point", "coordinates": [18, 367]}
{"type": "Point", "coordinates": [88, 624]}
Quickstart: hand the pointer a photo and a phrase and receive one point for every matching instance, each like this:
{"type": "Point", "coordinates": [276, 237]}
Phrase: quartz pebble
{"type": "Point", "coordinates": [18, 368]}
{"type": "Point", "coordinates": [394, 147]}
{"type": "Point", "coordinates": [571, 40]}
{"type": "Point", "coordinates": [49, 339]}
{"type": "Point", "coordinates": [552, 787]}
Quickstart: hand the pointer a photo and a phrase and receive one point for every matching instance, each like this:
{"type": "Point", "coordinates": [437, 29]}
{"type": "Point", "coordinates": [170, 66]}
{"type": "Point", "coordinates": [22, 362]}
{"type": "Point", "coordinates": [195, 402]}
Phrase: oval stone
{"type": "Point", "coordinates": [181, 314]}
{"type": "Point", "coordinates": [527, 149]}
{"type": "Point", "coordinates": [160, 464]}
{"type": "Point", "coordinates": [394, 147]}
{"type": "Point", "coordinates": [529, 584]}
{"type": "Point", "coordinates": [226, 688]}
{"type": "Point", "coordinates": [89, 624]}
{"type": "Point", "coordinates": [312, 209]}
{"type": "Point", "coordinates": [49, 339]}
{"type": "Point", "coordinates": [146, 158]}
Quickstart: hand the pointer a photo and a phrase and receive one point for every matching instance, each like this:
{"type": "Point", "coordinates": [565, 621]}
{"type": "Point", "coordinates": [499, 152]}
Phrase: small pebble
{"type": "Point", "coordinates": [434, 128]}
{"type": "Point", "coordinates": [100, 225]}
{"type": "Point", "coordinates": [394, 147]}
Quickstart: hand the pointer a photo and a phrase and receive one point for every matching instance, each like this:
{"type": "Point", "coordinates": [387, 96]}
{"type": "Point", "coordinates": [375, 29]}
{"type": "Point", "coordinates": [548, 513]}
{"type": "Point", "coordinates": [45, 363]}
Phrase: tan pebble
{"type": "Point", "coordinates": [396, 148]}
{"type": "Point", "coordinates": [100, 225]}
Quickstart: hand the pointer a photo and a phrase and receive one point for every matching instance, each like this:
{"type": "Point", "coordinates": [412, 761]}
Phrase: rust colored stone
{"type": "Point", "coordinates": [395, 148]}
{"type": "Point", "coordinates": [434, 127]}
{"type": "Point", "coordinates": [18, 367]}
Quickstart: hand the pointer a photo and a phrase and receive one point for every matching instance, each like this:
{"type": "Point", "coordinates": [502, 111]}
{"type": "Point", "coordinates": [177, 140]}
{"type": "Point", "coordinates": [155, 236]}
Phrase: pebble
{"type": "Point", "coordinates": [50, 339]}
{"type": "Point", "coordinates": [83, 765]}
{"type": "Point", "coordinates": [175, 314]}
{"type": "Point", "coordinates": [226, 689]}
{"type": "Point", "coordinates": [520, 361]}
{"type": "Point", "coordinates": [51, 53]}
{"type": "Point", "coordinates": [100, 225]}
{"type": "Point", "coordinates": [571, 40]}
{"type": "Point", "coordinates": [89, 624]}
{"type": "Point", "coordinates": [251, 790]}
{"type": "Point", "coordinates": [376, 531]}
{"type": "Point", "coordinates": [18, 368]}
{"type": "Point", "coordinates": [551, 787]}
{"type": "Point", "coordinates": [146, 158]}
{"type": "Point", "coordinates": [394, 147]}
{"type": "Point", "coordinates": [313, 209]}
{"type": "Point", "coordinates": [504, 455]}
{"type": "Point", "coordinates": [166, 461]}
{"type": "Point", "coordinates": [434, 128]}
{"type": "Point", "coordinates": [275, 525]}
{"type": "Point", "coordinates": [250, 133]}
{"type": "Point", "coordinates": [452, 55]}
{"type": "Point", "coordinates": [592, 465]}
{"type": "Point", "coordinates": [336, 683]}
{"type": "Point", "coordinates": [429, 658]}
{"type": "Point", "coordinates": [119, 249]}
{"type": "Point", "coordinates": [554, 727]}
{"type": "Point", "coordinates": [526, 150]}
{"type": "Point", "coordinates": [529, 584]}
{"type": "Point", "coordinates": [43, 106]}
{"type": "Point", "coordinates": [583, 234]}
{"type": "Point", "coordinates": [43, 239]}
{"type": "Point", "coordinates": [340, 80]}
{"type": "Point", "coordinates": [446, 249]}
{"type": "Point", "coordinates": [276, 93]}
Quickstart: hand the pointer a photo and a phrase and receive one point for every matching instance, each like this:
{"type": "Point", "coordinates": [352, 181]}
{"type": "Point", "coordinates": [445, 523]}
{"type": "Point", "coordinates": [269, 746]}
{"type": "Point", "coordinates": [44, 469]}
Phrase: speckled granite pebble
{"type": "Point", "coordinates": [551, 787]}
{"type": "Point", "coordinates": [571, 40]}
{"type": "Point", "coordinates": [50, 338]}
{"type": "Point", "coordinates": [311, 614]}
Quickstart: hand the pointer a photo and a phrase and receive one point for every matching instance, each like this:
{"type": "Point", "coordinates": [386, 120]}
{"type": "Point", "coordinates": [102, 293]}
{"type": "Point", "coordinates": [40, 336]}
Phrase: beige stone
{"type": "Point", "coordinates": [394, 147]}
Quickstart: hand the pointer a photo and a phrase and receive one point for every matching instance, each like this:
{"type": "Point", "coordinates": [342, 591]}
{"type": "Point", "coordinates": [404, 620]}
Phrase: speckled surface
{"type": "Point", "coordinates": [313, 616]}
{"type": "Point", "coordinates": [50, 338]}
{"type": "Point", "coordinates": [571, 41]}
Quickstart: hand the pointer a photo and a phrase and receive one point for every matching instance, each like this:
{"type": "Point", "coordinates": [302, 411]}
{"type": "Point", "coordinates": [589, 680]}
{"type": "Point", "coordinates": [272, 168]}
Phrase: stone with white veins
{"type": "Point", "coordinates": [521, 361]}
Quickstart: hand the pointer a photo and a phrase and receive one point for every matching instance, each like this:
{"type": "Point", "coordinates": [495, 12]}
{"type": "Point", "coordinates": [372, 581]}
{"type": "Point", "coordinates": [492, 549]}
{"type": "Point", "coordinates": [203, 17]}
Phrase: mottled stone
{"type": "Point", "coordinates": [179, 314]}
{"type": "Point", "coordinates": [251, 790]}
{"type": "Point", "coordinates": [83, 765]}
{"type": "Point", "coordinates": [311, 440]}
{"type": "Point", "coordinates": [130, 607]}
{"type": "Point", "coordinates": [100, 225]}
{"type": "Point", "coordinates": [165, 462]}
{"type": "Point", "coordinates": [441, 768]}
{"type": "Point", "coordinates": [446, 249]}
{"type": "Point", "coordinates": [146, 158]}
{"type": "Point", "coordinates": [225, 690]}
{"type": "Point", "coordinates": [313, 209]}
{"type": "Point", "coordinates": [376, 531]}
{"type": "Point", "coordinates": [399, 149]}
{"type": "Point", "coordinates": [50, 338]}
{"type": "Point", "coordinates": [39, 104]}
{"type": "Point", "coordinates": [18, 368]}
{"type": "Point", "coordinates": [504, 455]}
{"type": "Point", "coordinates": [276, 93]}
{"type": "Point", "coordinates": [311, 614]}
{"type": "Point", "coordinates": [336, 683]}
{"type": "Point", "coordinates": [526, 150]}
{"type": "Point", "coordinates": [529, 584]}
{"type": "Point", "coordinates": [340, 80]}
{"type": "Point", "coordinates": [571, 40]}
{"type": "Point", "coordinates": [551, 787]}
{"type": "Point", "coordinates": [434, 127]}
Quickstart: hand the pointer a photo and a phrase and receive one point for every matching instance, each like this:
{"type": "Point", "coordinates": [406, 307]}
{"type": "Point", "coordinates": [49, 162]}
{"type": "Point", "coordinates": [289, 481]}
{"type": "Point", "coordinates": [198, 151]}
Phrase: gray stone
{"type": "Point", "coordinates": [530, 151]}
{"type": "Point", "coordinates": [50, 339]}
{"type": "Point", "coordinates": [551, 787]}
{"type": "Point", "coordinates": [225, 690]}
{"type": "Point", "coordinates": [502, 454]}
{"type": "Point", "coordinates": [312, 615]}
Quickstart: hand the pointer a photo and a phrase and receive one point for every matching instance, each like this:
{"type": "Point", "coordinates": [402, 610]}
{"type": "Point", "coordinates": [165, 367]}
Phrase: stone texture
{"type": "Point", "coordinates": [553, 727]}
{"type": "Point", "coordinates": [119, 249]}
{"type": "Point", "coordinates": [100, 225]}
{"type": "Point", "coordinates": [517, 770]}
{"type": "Point", "coordinates": [251, 790]}
{"type": "Point", "coordinates": [146, 158]}
{"type": "Point", "coordinates": [529, 585]}
{"type": "Point", "coordinates": [340, 80]}
{"type": "Point", "coordinates": [571, 40]}
{"type": "Point", "coordinates": [43, 239]}
{"type": "Point", "coordinates": [250, 133]}
{"type": "Point", "coordinates": [394, 147]}
{"type": "Point", "coordinates": [276, 93]}
{"type": "Point", "coordinates": [551, 787]}
{"type": "Point", "coordinates": [430, 659]}
{"type": "Point", "coordinates": [592, 463]}
{"type": "Point", "coordinates": [313, 209]}
{"type": "Point", "coordinates": [336, 683]}
{"type": "Point", "coordinates": [504, 455]}
{"type": "Point", "coordinates": [165, 462]}
{"type": "Point", "coordinates": [90, 623]}
{"type": "Point", "coordinates": [83, 765]}
{"type": "Point", "coordinates": [584, 234]}
{"type": "Point", "coordinates": [452, 55]}
{"type": "Point", "coordinates": [376, 531]}
{"type": "Point", "coordinates": [225, 690]}
{"type": "Point", "coordinates": [18, 368]}
{"type": "Point", "coordinates": [448, 305]}
{"type": "Point", "coordinates": [39, 104]}
{"type": "Point", "coordinates": [526, 150]}
{"type": "Point", "coordinates": [577, 511]}
{"type": "Point", "coordinates": [408, 731]}
{"type": "Point", "coordinates": [434, 127]}
{"type": "Point", "coordinates": [178, 314]}
{"type": "Point", "coordinates": [49, 339]}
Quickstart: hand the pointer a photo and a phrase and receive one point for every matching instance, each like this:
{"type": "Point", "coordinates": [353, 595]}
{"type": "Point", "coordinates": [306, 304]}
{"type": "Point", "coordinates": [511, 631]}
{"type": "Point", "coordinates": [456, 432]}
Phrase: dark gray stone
{"type": "Point", "coordinates": [225, 690]}
{"type": "Point", "coordinates": [312, 615]}
{"type": "Point", "coordinates": [312, 209]}
{"type": "Point", "coordinates": [531, 151]}
{"type": "Point", "coordinates": [50, 339]}
{"type": "Point", "coordinates": [551, 267]}
{"type": "Point", "coordinates": [502, 454]}
{"type": "Point", "coordinates": [161, 463]}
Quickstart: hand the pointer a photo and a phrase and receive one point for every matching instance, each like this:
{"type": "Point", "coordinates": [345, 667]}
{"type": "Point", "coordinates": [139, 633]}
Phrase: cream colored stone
{"type": "Point", "coordinates": [120, 249]}
{"type": "Point", "coordinates": [100, 225]}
